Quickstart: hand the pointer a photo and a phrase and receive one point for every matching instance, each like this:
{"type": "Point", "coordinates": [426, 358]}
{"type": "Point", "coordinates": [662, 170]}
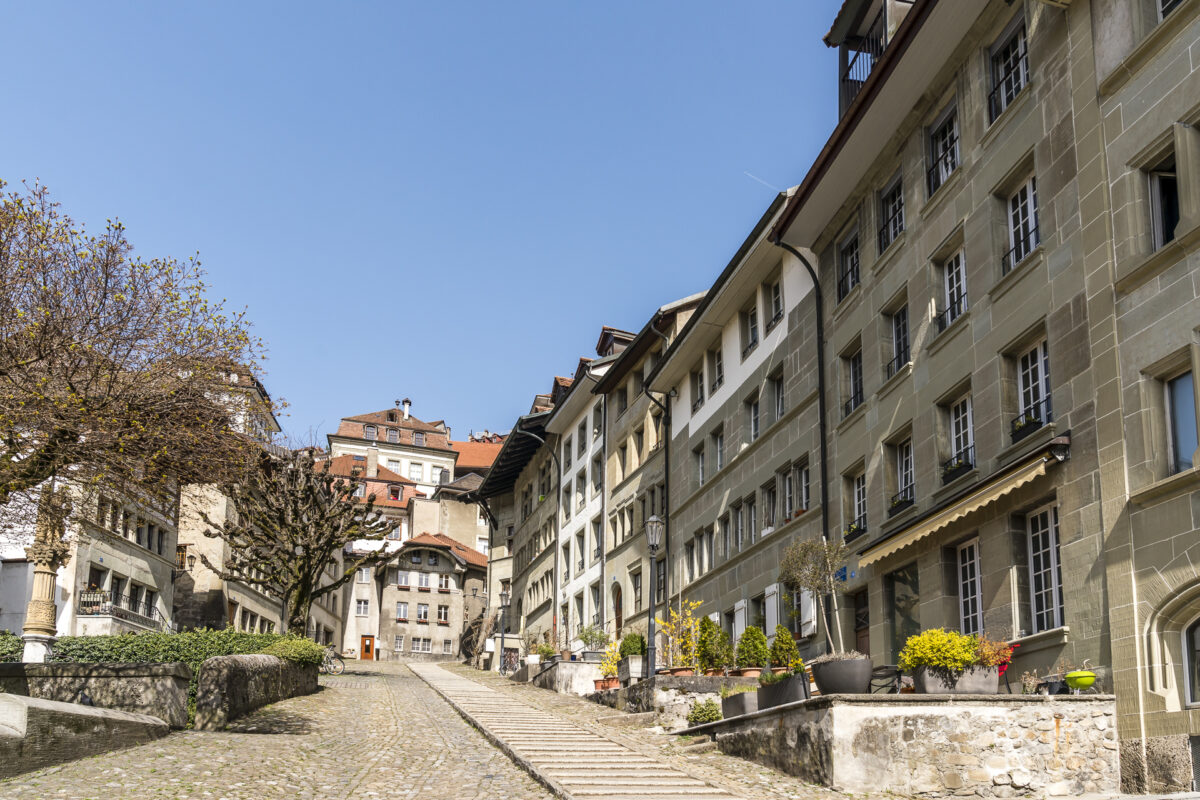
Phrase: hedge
{"type": "Point", "coordinates": [11, 646]}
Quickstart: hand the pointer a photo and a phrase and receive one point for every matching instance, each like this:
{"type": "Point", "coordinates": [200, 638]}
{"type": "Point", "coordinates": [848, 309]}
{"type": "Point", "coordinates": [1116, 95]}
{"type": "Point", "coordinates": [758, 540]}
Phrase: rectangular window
{"type": "Point", "coordinates": [446, 644]}
{"type": "Point", "coordinates": [858, 506]}
{"type": "Point", "coordinates": [719, 448]}
{"type": "Point", "coordinates": [739, 528]}
{"type": "Point", "coordinates": [362, 575]}
{"type": "Point", "coordinates": [393, 435]}
{"type": "Point", "coordinates": [444, 614]}
{"type": "Point", "coordinates": [751, 519]}
{"type": "Point", "coordinates": [770, 498]}
{"type": "Point", "coordinates": [1164, 203]}
{"type": "Point", "coordinates": [776, 385]}
{"type": "Point", "coordinates": [1181, 421]}
{"type": "Point", "coordinates": [854, 382]}
{"type": "Point", "coordinates": [402, 611]}
{"type": "Point", "coordinates": [433, 559]}
{"type": "Point", "coordinates": [789, 494]}
{"type": "Point", "coordinates": [1045, 574]}
{"type": "Point", "coordinates": [891, 214]}
{"type": "Point", "coordinates": [943, 149]}
{"type": "Point", "coordinates": [635, 581]}
{"type": "Point", "coordinates": [423, 612]}
{"type": "Point", "coordinates": [698, 456]}
{"type": "Point", "coordinates": [774, 292]}
{"type": "Point", "coordinates": [697, 384]}
{"type": "Point", "coordinates": [1167, 6]}
{"type": "Point", "coordinates": [970, 611]}
{"type": "Point", "coordinates": [399, 642]}
{"type": "Point", "coordinates": [1033, 386]}
{"type": "Point", "coordinates": [1010, 70]}
{"type": "Point", "coordinates": [435, 474]}
{"type": "Point", "coordinates": [581, 440]}
{"type": "Point", "coordinates": [848, 272]}
{"type": "Point", "coordinates": [1023, 236]}
{"type": "Point", "coordinates": [444, 581]}
{"type": "Point", "coordinates": [725, 536]}
{"type": "Point", "coordinates": [905, 494]}
{"type": "Point", "coordinates": [597, 421]}
{"type": "Point", "coordinates": [954, 286]}
{"type": "Point", "coordinates": [419, 439]}
{"type": "Point", "coordinates": [802, 478]}
{"type": "Point", "coordinates": [566, 452]}
{"type": "Point", "coordinates": [422, 577]}
{"type": "Point", "coordinates": [416, 471]}
{"type": "Point", "coordinates": [716, 367]}
{"type": "Point", "coordinates": [361, 608]}
{"type": "Point", "coordinates": [902, 597]}
{"type": "Point", "coordinates": [660, 580]}
{"type": "Point", "coordinates": [752, 417]}
{"type": "Point", "coordinates": [749, 329]}
{"type": "Point", "coordinates": [898, 322]}
{"type": "Point", "coordinates": [689, 559]}
{"type": "Point", "coordinates": [370, 432]}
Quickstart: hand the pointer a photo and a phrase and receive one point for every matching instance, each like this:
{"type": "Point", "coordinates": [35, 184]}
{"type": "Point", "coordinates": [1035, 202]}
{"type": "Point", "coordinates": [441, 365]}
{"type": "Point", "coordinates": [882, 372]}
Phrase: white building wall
{"type": "Point", "coordinates": [581, 521]}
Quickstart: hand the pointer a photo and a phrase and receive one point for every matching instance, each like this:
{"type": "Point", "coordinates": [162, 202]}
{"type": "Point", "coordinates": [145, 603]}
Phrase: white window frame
{"type": "Point", "coordinates": [859, 498]}
{"type": "Point", "coordinates": [362, 575]}
{"type": "Point", "coordinates": [443, 613]}
{"type": "Point", "coordinates": [802, 476]}
{"type": "Point", "coordinates": [1033, 380]}
{"type": "Point", "coordinates": [1008, 73]}
{"type": "Point", "coordinates": [362, 608]}
{"type": "Point", "coordinates": [962, 427]}
{"type": "Point", "coordinates": [753, 410]}
{"type": "Point", "coordinates": [891, 212]}
{"type": "Point", "coordinates": [954, 286]}
{"type": "Point", "coordinates": [970, 587]}
{"type": "Point", "coordinates": [849, 265]}
{"type": "Point", "coordinates": [1021, 214]}
{"type": "Point", "coordinates": [779, 397]}
{"type": "Point", "coordinates": [447, 646]}
{"type": "Point", "coordinates": [402, 609]}
{"type": "Point", "coordinates": [905, 471]}
{"type": "Point", "coordinates": [423, 611]}
{"type": "Point", "coordinates": [1051, 618]}
{"type": "Point", "coordinates": [789, 493]}
{"type": "Point", "coordinates": [901, 347]}
{"type": "Point", "coordinates": [944, 153]}
{"type": "Point", "coordinates": [719, 448]}
{"type": "Point", "coordinates": [1160, 235]}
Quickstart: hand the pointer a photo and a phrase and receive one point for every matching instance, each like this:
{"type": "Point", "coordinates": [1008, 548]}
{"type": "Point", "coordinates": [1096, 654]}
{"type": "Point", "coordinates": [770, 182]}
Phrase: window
{"type": "Point", "coordinates": [716, 367]}
{"type": "Point", "coordinates": [905, 495]}
{"type": "Point", "coordinates": [1167, 6]}
{"type": "Point", "coordinates": [1164, 203]}
{"type": "Point", "coordinates": [751, 511]}
{"type": "Point", "coordinates": [698, 457]}
{"type": "Point", "coordinates": [943, 149]}
{"type": "Point", "coordinates": [597, 421]}
{"type": "Point", "coordinates": [423, 612]}
{"type": "Point", "coordinates": [444, 614]}
{"type": "Point", "coordinates": [433, 559]}
{"type": "Point", "coordinates": [802, 480]}
{"type": "Point", "coordinates": [622, 400]}
{"type": "Point", "coordinates": [1045, 574]}
{"type": "Point", "coordinates": [788, 479]}
{"type": "Point", "coordinates": [415, 471]}
{"type": "Point", "coordinates": [393, 435]}
{"type": "Point", "coordinates": [435, 474]}
{"type": "Point", "coordinates": [848, 275]}
{"type": "Point", "coordinates": [1033, 385]}
{"type": "Point", "coordinates": [970, 611]}
{"type": "Point", "coordinates": [402, 611]}
{"type": "Point", "coordinates": [1010, 69]}
{"type": "Point", "coordinates": [402, 578]}
{"type": "Point", "coordinates": [581, 439]}
{"type": "Point", "coordinates": [393, 492]}
{"type": "Point", "coordinates": [689, 559]}
{"type": "Point", "coordinates": [399, 642]}
{"type": "Point", "coordinates": [752, 417]}
{"type": "Point", "coordinates": [1023, 234]}
{"type": "Point", "coordinates": [902, 597]}
{"type": "Point", "coordinates": [739, 528]}
{"type": "Point", "coordinates": [422, 577]}
{"type": "Point", "coordinates": [891, 214]}
{"type": "Point", "coordinates": [749, 329]}
{"type": "Point", "coordinates": [639, 447]}
{"type": "Point", "coordinates": [635, 580]}
{"type": "Point", "coordinates": [660, 580]}
{"type": "Point", "coordinates": [419, 438]}
{"type": "Point", "coordinates": [962, 442]}
{"type": "Point", "coordinates": [954, 285]}
{"type": "Point", "coordinates": [370, 432]}
{"type": "Point", "coordinates": [361, 607]}
{"type": "Point", "coordinates": [776, 386]}
{"type": "Point", "coordinates": [854, 382]}
{"type": "Point", "coordinates": [444, 581]}
{"type": "Point", "coordinates": [1181, 421]}
{"type": "Point", "coordinates": [719, 448]}
{"type": "Point", "coordinates": [415, 557]}
{"type": "Point", "coordinates": [566, 451]}
{"type": "Point", "coordinates": [446, 645]}
{"type": "Point", "coordinates": [359, 491]}
{"type": "Point", "coordinates": [770, 498]}
{"type": "Point", "coordinates": [697, 384]}
{"type": "Point", "coordinates": [725, 530]}
{"type": "Point", "coordinates": [858, 506]}
{"type": "Point", "coordinates": [898, 323]}
{"type": "Point", "coordinates": [774, 293]}
{"type": "Point", "coordinates": [420, 645]}
{"type": "Point", "coordinates": [362, 575]}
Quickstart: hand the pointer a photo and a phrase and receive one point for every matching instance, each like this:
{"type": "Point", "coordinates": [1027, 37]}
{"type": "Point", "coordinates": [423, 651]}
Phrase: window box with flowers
{"type": "Point", "coordinates": [422, 622]}
{"type": "Point", "coordinates": [422, 588]}
{"type": "Point", "coordinates": [443, 622]}
{"type": "Point", "coordinates": [443, 591]}
{"type": "Point", "coordinates": [401, 619]}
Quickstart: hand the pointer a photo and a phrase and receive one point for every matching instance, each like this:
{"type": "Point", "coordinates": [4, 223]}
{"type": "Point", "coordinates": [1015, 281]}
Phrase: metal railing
{"type": "Point", "coordinates": [1031, 419]}
{"type": "Point", "coordinates": [953, 311]}
{"type": "Point", "coordinates": [901, 500]}
{"type": "Point", "coordinates": [1020, 251]}
{"type": "Point", "coordinates": [120, 606]}
{"type": "Point", "coordinates": [1008, 85]}
{"type": "Point", "coordinates": [847, 281]}
{"type": "Point", "coordinates": [856, 400]}
{"type": "Point", "coordinates": [868, 50]}
{"type": "Point", "coordinates": [958, 464]}
{"type": "Point", "coordinates": [898, 362]}
{"type": "Point", "coordinates": [943, 166]}
{"type": "Point", "coordinates": [892, 227]}
{"type": "Point", "coordinates": [856, 528]}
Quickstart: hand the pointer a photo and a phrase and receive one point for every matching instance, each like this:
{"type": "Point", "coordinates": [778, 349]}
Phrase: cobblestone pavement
{"type": "Point", "coordinates": [737, 776]}
{"type": "Point", "coordinates": [375, 732]}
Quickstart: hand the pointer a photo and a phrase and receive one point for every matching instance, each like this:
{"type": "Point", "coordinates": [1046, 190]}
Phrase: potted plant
{"type": "Point", "coordinates": [948, 662]}
{"type": "Point", "coordinates": [787, 682]}
{"type": "Point", "coordinates": [544, 652]}
{"type": "Point", "coordinates": [813, 566]}
{"type": "Point", "coordinates": [608, 668]}
{"type": "Point", "coordinates": [633, 655]}
{"type": "Point", "coordinates": [594, 641]}
{"type": "Point", "coordinates": [725, 659]}
{"type": "Point", "coordinates": [708, 647]}
{"type": "Point", "coordinates": [738, 700]}
{"type": "Point", "coordinates": [783, 651]}
{"type": "Point", "coordinates": [753, 656]}
{"type": "Point", "coordinates": [682, 631]}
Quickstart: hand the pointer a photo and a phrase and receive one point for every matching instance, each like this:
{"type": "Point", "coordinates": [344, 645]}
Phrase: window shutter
{"type": "Point", "coordinates": [771, 605]}
{"type": "Point", "coordinates": [808, 614]}
{"type": "Point", "coordinates": [739, 619]}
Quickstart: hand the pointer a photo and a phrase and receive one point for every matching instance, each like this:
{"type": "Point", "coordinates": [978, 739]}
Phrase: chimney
{"type": "Point", "coordinates": [407, 405]}
{"type": "Point", "coordinates": [373, 461]}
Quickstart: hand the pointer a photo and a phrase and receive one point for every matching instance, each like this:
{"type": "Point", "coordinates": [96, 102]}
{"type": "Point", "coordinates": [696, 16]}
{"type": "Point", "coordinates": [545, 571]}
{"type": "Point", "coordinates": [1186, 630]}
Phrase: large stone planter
{"type": "Point", "coordinates": [792, 690]}
{"type": "Point", "coordinates": [974, 680]}
{"type": "Point", "coordinates": [738, 704]}
{"type": "Point", "coordinates": [631, 669]}
{"type": "Point", "coordinates": [843, 677]}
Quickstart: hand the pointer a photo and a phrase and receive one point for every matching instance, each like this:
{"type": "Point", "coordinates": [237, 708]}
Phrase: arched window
{"type": "Point", "coordinates": [1191, 657]}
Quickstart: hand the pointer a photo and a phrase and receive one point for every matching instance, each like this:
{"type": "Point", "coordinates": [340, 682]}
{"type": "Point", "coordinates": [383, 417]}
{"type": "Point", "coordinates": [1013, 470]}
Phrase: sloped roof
{"type": "Point", "coordinates": [435, 434]}
{"type": "Point", "coordinates": [439, 540]}
{"type": "Point", "coordinates": [476, 455]}
{"type": "Point", "coordinates": [378, 485]}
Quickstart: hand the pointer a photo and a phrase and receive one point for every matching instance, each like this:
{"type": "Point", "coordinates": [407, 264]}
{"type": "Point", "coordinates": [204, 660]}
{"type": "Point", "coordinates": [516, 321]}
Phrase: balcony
{"type": "Point", "coordinates": [958, 464]}
{"type": "Point", "coordinates": [1024, 245]}
{"type": "Point", "coordinates": [901, 500]}
{"type": "Point", "coordinates": [866, 49]}
{"type": "Point", "coordinates": [121, 607]}
{"type": "Point", "coordinates": [855, 529]}
{"type": "Point", "coordinates": [1031, 419]}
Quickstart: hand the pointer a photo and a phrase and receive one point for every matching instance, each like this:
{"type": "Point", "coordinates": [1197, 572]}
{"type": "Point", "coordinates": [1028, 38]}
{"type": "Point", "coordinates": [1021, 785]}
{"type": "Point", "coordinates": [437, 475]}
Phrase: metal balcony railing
{"type": "Point", "coordinates": [1031, 419]}
{"type": "Point", "coordinates": [901, 500]}
{"type": "Point", "coordinates": [120, 606]}
{"type": "Point", "coordinates": [958, 464]}
{"type": "Point", "coordinates": [856, 528]}
{"type": "Point", "coordinates": [1024, 245]}
{"type": "Point", "coordinates": [953, 311]}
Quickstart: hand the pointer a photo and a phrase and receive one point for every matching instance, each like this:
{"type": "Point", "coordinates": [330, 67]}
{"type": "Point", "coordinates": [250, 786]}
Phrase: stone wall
{"type": "Point", "coordinates": [36, 733]}
{"type": "Point", "coordinates": [232, 686]}
{"type": "Point", "coordinates": [568, 677]}
{"type": "Point", "coordinates": [670, 696]}
{"type": "Point", "coordinates": [967, 745]}
{"type": "Point", "coordinates": [159, 690]}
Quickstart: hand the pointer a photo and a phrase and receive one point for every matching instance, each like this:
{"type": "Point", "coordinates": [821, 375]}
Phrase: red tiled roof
{"type": "Point", "coordinates": [476, 455]}
{"type": "Point", "coordinates": [435, 434]}
{"type": "Point", "coordinates": [379, 485]}
{"type": "Point", "coordinates": [439, 540]}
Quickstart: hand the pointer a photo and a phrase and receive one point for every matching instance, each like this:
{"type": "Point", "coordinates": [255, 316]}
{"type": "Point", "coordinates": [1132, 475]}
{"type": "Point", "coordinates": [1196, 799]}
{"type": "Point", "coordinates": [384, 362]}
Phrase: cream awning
{"type": "Point", "coordinates": [969, 504]}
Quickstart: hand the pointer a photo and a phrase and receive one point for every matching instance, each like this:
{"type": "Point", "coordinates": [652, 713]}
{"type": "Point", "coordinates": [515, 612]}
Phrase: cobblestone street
{"type": "Point", "coordinates": [375, 732]}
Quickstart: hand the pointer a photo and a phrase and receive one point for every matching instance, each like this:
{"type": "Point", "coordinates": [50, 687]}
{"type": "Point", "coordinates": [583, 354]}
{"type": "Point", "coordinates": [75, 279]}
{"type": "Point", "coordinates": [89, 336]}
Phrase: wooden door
{"type": "Point", "coordinates": [368, 648]}
{"type": "Point", "coordinates": [617, 615]}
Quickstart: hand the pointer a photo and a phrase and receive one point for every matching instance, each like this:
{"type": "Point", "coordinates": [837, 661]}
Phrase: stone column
{"type": "Point", "coordinates": [48, 552]}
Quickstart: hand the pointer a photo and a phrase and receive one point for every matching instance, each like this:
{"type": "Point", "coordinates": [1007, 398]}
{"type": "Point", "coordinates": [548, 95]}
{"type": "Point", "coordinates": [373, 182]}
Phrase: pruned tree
{"type": "Point", "coordinates": [291, 519]}
{"type": "Point", "coordinates": [111, 366]}
{"type": "Point", "coordinates": [813, 565]}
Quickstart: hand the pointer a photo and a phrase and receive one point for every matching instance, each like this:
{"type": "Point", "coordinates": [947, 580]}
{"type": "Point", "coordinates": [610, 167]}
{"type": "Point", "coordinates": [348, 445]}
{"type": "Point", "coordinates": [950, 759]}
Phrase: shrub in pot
{"type": "Point", "coordinates": [789, 686]}
{"type": "Point", "coordinates": [593, 637]}
{"type": "Point", "coordinates": [738, 700]}
{"type": "Point", "coordinates": [783, 650]}
{"type": "Point", "coordinates": [948, 662]}
{"type": "Point", "coordinates": [633, 644]}
{"type": "Point", "coordinates": [725, 658]}
{"type": "Point", "coordinates": [703, 712]}
{"type": "Point", "coordinates": [708, 646]}
{"type": "Point", "coordinates": [608, 668]}
{"type": "Point", "coordinates": [842, 672]}
{"type": "Point", "coordinates": [546, 651]}
{"type": "Point", "coordinates": [753, 656]}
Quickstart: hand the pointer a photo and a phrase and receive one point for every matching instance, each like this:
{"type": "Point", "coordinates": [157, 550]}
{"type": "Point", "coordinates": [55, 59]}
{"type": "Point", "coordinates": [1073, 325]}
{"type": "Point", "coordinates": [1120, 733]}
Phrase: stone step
{"type": "Point", "coordinates": [642, 719]}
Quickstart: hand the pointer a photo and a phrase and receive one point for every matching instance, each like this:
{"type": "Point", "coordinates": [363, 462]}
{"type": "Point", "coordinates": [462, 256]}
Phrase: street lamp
{"type": "Point", "coordinates": [654, 535]}
{"type": "Point", "coordinates": [504, 598]}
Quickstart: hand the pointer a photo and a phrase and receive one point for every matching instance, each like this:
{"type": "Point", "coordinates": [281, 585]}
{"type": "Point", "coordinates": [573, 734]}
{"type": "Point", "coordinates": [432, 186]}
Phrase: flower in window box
{"type": "Point", "coordinates": [853, 529]}
{"type": "Point", "coordinates": [1021, 422]}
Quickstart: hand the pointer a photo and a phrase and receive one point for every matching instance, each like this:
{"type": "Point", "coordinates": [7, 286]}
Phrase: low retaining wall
{"type": "Point", "coordinates": [568, 677]}
{"type": "Point", "coordinates": [670, 696]}
{"type": "Point", "coordinates": [159, 690]}
{"type": "Point", "coordinates": [936, 745]}
{"type": "Point", "coordinates": [36, 733]}
{"type": "Point", "coordinates": [229, 687]}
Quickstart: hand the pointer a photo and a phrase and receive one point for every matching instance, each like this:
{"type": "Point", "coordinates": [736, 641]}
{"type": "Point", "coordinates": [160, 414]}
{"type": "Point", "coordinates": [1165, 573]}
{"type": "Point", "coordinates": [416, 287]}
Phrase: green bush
{"type": "Point", "coordinates": [11, 646]}
{"type": "Point", "coordinates": [752, 649]}
{"type": "Point", "coordinates": [299, 651]}
{"type": "Point", "coordinates": [702, 712]}
{"type": "Point", "coordinates": [768, 678]}
{"type": "Point", "coordinates": [725, 658]}
{"type": "Point", "coordinates": [634, 644]}
{"type": "Point", "coordinates": [940, 650]}
{"type": "Point", "coordinates": [546, 651]}
{"type": "Point", "coordinates": [593, 637]}
{"type": "Point", "coordinates": [783, 649]}
{"type": "Point", "coordinates": [709, 648]}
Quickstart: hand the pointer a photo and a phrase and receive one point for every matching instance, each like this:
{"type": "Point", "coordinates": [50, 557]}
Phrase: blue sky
{"type": "Point", "coordinates": [443, 201]}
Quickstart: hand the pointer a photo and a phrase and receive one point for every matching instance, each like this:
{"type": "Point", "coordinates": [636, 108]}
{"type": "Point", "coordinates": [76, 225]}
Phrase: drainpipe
{"type": "Point", "coordinates": [666, 517]}
{"type": "Point", "coordinates": [557, 532]}
{"type": "Point", "coordinates": [602, 541]}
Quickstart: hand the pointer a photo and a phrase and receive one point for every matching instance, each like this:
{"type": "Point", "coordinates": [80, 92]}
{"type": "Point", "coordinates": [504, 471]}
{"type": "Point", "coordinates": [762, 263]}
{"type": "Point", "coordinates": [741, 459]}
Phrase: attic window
{"type": "Point", "coordinates": [393, 492]}
{"type": "Point", "coordinates": [360, 458]}
{"type": "Point", "coordinates": [393, 435]}
{"type": "Point", "coordinates": [419, 439]}
{"type": "Point", "coordinates": [370, 431]}
{"type": "Point", "coordinates": [391, 416]}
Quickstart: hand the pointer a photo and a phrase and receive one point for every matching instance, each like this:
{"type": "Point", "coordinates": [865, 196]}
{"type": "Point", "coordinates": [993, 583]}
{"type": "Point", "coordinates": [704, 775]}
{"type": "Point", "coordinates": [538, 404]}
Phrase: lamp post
{"type": "Point", "coordinates": [504, 598]}
{"type": "Point", "coordinates": [654, 534]}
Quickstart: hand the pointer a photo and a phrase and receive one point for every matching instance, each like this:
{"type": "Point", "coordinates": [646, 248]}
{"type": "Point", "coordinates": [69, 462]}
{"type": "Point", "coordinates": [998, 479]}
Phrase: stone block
{"type": "Point", "coordinates": [159, 690]}
{"type": "Point", "coordinates": [229, 687]}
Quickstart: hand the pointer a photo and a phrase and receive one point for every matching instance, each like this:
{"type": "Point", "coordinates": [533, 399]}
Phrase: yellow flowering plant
{"type": "Point", "coordinates": [612, 656]}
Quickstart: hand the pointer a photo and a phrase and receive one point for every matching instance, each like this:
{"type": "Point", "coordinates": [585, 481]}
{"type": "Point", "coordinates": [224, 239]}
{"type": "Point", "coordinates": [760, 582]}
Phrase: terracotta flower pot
{"type": "Point", "coordinates": [604, 684]}
{"type": "Point", "coordinates": [750, 672]}
{"type": "Point", "coordinates": [710, 672]}
{"type": "Point", "coordinates": [779, 670]}
{"type": "Point", "coordinates": [682, 671]}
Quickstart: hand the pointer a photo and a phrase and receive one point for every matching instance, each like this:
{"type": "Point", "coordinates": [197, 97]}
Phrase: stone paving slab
{"type": "Point", "coordinates": [377, 732]}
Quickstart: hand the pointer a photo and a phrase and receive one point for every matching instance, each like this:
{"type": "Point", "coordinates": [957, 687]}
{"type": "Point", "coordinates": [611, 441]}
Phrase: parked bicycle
{"type": "Point", "coordinates": [332, 663]}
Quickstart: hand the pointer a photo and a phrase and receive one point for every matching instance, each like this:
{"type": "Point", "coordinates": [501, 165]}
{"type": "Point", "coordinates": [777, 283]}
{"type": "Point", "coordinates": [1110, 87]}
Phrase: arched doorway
{"type": "Point", "coordinates": [618, 617]}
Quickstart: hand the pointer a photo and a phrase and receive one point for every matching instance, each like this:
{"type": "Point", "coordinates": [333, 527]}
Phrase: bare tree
{"type": "Point", "coordinates": [814, 566]}
{"type": "Point", "coordinates": [291, 519]}
{"type": "Point", "coordinates": [111, 367]}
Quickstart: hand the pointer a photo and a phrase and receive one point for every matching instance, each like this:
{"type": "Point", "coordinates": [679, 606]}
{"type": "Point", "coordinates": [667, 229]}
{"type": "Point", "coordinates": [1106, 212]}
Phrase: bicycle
{"type": "Point", "coordinates": [332, 664]}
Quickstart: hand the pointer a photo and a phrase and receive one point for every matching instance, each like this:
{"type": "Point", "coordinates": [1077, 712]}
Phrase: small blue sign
{"type": "Point", "coordinates": [841, 574]}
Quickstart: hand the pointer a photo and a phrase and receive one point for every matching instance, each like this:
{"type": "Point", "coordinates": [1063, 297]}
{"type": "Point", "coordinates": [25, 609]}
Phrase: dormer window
{"type": "Point", "coordinates": [393, 492]}
{"type": "Point", "coordinates": [391, 416]}
{"type": "Point", "coordinates": [370, 432]}
{"type": "Point", "coordinates": [419, 439]}
{"type": "Point", "coordinates": [393, 435]}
